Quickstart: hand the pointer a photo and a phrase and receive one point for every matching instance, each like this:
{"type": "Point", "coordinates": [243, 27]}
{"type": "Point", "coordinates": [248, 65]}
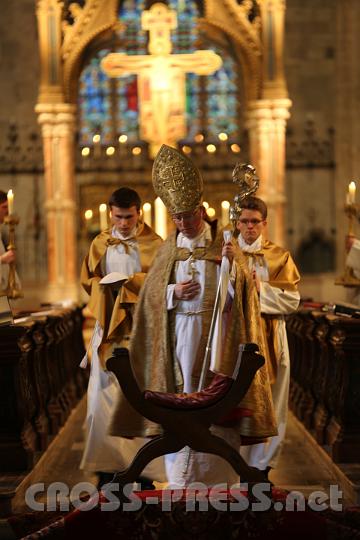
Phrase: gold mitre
{"type": "Point", "coordinates": [176, 181]}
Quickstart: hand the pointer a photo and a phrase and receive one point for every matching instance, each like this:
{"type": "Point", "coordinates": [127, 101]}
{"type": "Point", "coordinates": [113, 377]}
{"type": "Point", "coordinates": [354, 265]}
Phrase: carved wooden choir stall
{"type": "Point", "coordinates": [40, 383]}
{"type": "Point", "coordinates": [325, 380]}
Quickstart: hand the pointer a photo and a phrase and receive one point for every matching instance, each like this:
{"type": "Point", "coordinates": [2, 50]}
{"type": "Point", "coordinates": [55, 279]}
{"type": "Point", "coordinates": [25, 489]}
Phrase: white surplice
{"type": "Point", "coordinates": [353, 260]}
{"type": "Point", "coordinates": [206, 468]}
{"type": "Point", "coordinates": [279, 302]}
{"type": "Point", "coordinates": [104, 452]}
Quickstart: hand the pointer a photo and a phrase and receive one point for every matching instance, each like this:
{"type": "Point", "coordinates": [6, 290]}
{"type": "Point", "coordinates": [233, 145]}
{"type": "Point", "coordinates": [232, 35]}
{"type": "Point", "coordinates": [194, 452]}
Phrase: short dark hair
{"type": "Point", "coordinates": [125, 198]}
{"type": "Point", "coordinates": [254, 203]}
{"type": "Point", "coordinates": [3, 196]}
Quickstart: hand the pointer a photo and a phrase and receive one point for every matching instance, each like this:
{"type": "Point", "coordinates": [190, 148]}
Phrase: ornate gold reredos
{"type": "Point", "coordinates": [176, 181]}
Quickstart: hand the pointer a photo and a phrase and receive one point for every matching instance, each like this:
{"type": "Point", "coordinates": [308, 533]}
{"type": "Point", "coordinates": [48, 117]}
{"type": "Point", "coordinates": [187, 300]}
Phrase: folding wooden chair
{"type": "Point", "coordinates": [186, 418]}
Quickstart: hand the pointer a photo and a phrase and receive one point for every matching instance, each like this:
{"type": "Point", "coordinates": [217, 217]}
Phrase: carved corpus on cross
{"type": "Point", "coordinates": [161, 78]}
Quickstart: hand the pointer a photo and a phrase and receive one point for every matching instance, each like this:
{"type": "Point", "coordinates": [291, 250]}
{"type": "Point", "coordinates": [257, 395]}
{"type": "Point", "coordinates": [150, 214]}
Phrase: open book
{"type": "Point", "coordinates": [113, 277]}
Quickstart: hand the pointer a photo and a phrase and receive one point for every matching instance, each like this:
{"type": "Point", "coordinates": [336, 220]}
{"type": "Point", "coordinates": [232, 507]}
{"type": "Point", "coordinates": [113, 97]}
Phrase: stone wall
{"type": "Point", "coordinates": [310, 42]}
{"type": "Point", "coordinates": [20, 143]}
{"type": "Point", "coordinates": [347, 146]}
{"type": "Point", "coordinates": [19, 66]}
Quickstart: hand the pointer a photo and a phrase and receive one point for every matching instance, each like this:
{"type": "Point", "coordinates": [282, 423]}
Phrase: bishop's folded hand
{"type": "Point", "coordinates": [186, 290]}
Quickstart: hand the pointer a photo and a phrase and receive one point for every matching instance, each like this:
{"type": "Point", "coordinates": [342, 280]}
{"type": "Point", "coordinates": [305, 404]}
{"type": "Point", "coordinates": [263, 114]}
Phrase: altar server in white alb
{"type": "Point", "coordinates": [112, 274]}
{"type": "Point", "coordinates": [353, 261]}
{"type": "Point", "coordinates": [276, 278]}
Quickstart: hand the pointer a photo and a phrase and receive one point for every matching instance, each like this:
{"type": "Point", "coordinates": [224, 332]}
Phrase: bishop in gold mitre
{"type": "Point", "coordinates": [173, 317]}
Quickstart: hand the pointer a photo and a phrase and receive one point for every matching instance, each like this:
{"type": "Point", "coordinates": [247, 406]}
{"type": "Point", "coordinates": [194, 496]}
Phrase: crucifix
{"type": "Point", "coordinates": [192, 268]}
{"type": "Point", "coordinates": [161, 78]}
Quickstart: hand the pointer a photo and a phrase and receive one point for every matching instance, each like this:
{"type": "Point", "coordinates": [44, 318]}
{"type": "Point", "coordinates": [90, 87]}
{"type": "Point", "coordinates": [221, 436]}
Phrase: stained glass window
{"type": "Point", "coordinates": [222, 100]}
{"type": "Point", "coordinates": [94, 102]}
{"type": "Point", "coordinates": [110, 106]}
{"type": "Point", "coordinates": [135, 42]}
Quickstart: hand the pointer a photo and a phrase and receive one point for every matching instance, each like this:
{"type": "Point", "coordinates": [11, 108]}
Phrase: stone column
{"type": "Point", "coordinates": [57, 122]}
{"type": "Point", "coordinates": [266, 119]}
{"type": "Point", "coordinates": [272, 15]}
{"type": "Point", "coordinates": [49, 17]}
{"type": "Point", "coordinates": [266, 122]}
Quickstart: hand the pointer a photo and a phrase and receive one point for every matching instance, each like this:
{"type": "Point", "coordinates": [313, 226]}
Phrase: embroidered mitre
{"type": "Point", "coordinates": [176, 181]}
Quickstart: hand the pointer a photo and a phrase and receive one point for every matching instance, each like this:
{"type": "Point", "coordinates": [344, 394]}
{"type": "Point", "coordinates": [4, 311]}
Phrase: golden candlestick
{"type": "Point", "coordinates": [12, 290]}
{"type": "Point", "coordinates": [348, 278]}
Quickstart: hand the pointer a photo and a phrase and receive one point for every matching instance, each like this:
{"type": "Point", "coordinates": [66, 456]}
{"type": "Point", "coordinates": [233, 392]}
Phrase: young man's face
{"type": "Point", "coordinates": [251, 224]}
{"type": "Point", "coordinates": [189, 223]}
{"type": "Point", "coordinates": [4, 210]}
{"type": "Point", "coordinates": [124, 219]}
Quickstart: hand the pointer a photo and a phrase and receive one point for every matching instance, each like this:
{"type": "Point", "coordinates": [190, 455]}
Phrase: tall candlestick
{"type": "Point", "coordinates": [160, 218]}
{"type": "Point", "coordinates": [352, 191]}
{"type": "Point", "coordinates": [10, 200]}
{"type": "Point", "coordinates": [103, 217]}
{"type": "Point", "coordinates": [13, 287]}
{"type": "Point", "coordinates": [147, 213]}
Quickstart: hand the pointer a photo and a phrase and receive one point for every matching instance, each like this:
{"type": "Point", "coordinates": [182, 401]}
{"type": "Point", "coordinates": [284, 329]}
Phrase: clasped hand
{"type": "Point", "coordinates": [8, 257]}
{"type": "Point", "coordinates": [186, 290]}
{"type": "Point", "coordinates": [228, 251]}
{"type": "Point", "coordinates": [349, 241]}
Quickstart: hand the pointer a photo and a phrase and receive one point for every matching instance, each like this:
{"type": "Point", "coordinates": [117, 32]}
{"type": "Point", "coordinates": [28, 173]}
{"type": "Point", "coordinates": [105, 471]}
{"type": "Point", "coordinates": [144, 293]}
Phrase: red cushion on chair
{"type": "Point", "coordinates": [218, 387]}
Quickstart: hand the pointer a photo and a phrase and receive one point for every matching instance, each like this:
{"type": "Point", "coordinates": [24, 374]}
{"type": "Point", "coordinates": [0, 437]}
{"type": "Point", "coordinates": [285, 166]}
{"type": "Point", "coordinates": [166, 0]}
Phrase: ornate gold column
{"type": "Point", "coordinates": [57, 120]}
{"type": "Point", "coordinates": [266, 118]}
{"type": "Point", "coordinates": [49, 14]}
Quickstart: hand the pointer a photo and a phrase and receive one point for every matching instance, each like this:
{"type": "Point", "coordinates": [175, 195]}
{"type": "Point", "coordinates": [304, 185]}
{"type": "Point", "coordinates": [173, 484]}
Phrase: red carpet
{"type": "Point", "coordinates": [162, 520]}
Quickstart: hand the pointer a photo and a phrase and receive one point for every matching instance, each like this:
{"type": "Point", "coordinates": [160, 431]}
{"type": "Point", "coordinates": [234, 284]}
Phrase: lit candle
{"type": "Point", "coordinates": [160, 218]}
{"type": "Point", "coordinates": [225, 205]}
{"type": "Point", "coordinates": [103, 217]}
{"type": "Point", "coordinates": [88, 215]}
{"type": "Point", "coordinates": [97, 145]}
{"type": "Point", "coordinates": [147, 213]}
{"type": "Point", "coordinates": [352, 191]}
{"type": "Point", "coordinates": [10, 200]}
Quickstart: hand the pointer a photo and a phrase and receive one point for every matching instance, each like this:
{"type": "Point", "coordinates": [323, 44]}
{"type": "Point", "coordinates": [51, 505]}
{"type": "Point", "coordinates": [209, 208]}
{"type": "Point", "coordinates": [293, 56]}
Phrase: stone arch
{"type": "Point", "coordinates": [244, 35]}
{"type": "Point", "coordinates": [94, 22]}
